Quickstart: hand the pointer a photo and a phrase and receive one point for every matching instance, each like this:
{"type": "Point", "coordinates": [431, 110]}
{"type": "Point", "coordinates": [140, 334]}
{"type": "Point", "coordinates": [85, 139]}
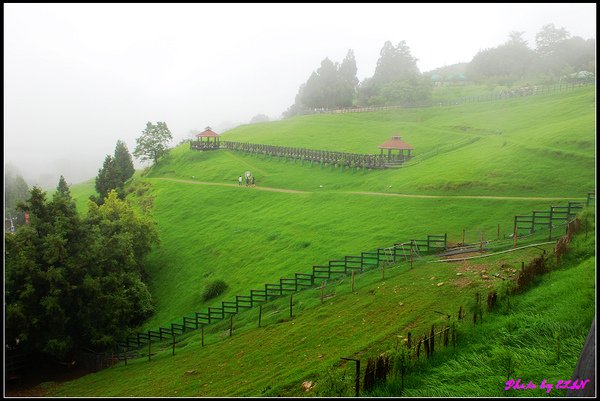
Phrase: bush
{"type": "Point", "coordinates": [214, 289]}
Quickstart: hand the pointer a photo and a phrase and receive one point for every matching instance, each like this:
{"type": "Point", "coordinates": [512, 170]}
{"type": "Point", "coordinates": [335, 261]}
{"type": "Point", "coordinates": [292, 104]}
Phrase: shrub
{"type": "Point", "coordinates": [214, 289]}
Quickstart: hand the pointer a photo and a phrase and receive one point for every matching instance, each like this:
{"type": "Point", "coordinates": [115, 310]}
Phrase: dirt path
{"type": "Point", "coordinates": [294, 191]}
{"type": "Point", "coordinates": [464, 196]}
{"type": "Point", "coordinates": [373, 193]}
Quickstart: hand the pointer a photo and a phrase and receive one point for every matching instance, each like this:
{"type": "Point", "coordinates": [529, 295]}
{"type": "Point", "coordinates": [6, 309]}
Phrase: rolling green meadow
{"type": "Point", "coordinates": [476, 166]}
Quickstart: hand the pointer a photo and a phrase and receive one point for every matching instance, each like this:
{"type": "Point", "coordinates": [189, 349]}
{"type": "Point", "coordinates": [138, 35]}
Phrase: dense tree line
{"type": "Point", "coordinates": [332, 85]}
{"type": "Point", "coordinates": [398, 81]}
{"type": "Point", "coordinates": [555, 56]}
{"type": "Point", "coordinates": [75, 281]}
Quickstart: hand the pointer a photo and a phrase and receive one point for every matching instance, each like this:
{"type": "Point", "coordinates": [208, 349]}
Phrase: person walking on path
{"type": "Point", "coordinates": [252, 180]}
{"type": "Point", "coordinates": [247, 180]}
{"type": "Point", "coordinates": [240, 181]}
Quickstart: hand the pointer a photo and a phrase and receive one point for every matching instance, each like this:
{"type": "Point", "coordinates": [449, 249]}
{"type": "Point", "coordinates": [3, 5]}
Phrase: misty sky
{"type": "Point", "coordinates": [78, 77]}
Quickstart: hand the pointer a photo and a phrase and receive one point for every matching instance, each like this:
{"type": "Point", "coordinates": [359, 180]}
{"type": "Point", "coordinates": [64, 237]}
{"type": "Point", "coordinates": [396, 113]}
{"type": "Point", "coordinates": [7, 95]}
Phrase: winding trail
{"type": "Point", "coordinates": [371, 193]}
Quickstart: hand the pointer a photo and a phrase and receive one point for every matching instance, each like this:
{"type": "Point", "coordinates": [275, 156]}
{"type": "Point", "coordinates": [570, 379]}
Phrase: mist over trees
{"type": "Point", "coordinates": [259, 118]}
{"type": "Point", "coordinates": [555, 56]}
{"type": "Point", "coordinates": [73, 281]}
{"type": "Point", "coordinates": [16, 190]}
{"type": "Point", "coordinates": [332, 85]}
{"type": "Point", "coordinates": [397, 80]}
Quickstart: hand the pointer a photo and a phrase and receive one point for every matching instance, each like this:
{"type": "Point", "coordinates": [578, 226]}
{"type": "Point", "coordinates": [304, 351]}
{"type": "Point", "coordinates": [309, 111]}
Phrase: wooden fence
{"type": "Point", "coordinates": [334, 268]}
{"type": "Point", "coordinates": [313, 156]}
{"type": "Point", "coordinates": [403, 251]}
{"type": "Point", "coordinates": [506, 94]}
{"type": "Point", "coordinates": [528, 224]}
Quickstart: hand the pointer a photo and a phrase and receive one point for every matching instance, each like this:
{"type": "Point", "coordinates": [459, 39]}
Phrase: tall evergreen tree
{"type": "Point", "coordinates": [123, 161]}
{"type": "Point", "coordinates": [108, 178]}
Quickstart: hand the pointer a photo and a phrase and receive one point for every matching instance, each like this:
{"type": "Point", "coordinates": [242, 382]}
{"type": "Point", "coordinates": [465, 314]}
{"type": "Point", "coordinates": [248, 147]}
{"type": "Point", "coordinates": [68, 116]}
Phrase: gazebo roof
{"type": "Point", "coordinates": [207, 133]}
{"type": "Point", "coordinates": [395, 143]}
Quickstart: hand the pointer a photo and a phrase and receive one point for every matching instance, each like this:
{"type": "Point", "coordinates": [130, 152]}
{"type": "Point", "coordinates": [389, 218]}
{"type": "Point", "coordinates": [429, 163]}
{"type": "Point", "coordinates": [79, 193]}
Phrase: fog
{"type": "Point", "coordinates": [78, 77]}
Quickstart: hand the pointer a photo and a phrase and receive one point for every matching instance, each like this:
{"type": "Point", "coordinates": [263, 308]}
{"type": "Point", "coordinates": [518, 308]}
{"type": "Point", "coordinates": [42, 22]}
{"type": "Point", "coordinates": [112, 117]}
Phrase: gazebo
{"type": "Point", "coordinates": [396, 143]}
{"type": "Point", "coordinates": [208, 133]}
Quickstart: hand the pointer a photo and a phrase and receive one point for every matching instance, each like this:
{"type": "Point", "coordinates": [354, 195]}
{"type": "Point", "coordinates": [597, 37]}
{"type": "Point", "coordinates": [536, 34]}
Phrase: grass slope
{"type": "Point", "coordinates": [526, 147]}
{"type": "Point", "coordinates": [276, 358]}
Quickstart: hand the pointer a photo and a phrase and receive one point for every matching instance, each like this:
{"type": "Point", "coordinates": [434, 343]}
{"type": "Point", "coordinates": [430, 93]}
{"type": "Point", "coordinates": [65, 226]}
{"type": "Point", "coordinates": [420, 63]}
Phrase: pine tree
{"type": "Point", "coordinates": [123, 161]}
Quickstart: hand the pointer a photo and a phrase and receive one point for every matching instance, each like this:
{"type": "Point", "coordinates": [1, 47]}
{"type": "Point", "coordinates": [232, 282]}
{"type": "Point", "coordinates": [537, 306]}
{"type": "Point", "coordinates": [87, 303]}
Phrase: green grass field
{"type": "Point", "coordinates": [529, 153]}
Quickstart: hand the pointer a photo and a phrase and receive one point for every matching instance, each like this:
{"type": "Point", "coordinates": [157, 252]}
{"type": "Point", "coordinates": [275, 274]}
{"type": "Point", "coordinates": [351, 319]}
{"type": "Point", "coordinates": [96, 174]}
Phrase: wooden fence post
{"type": "Point", "coordinates": [322, 290]}
{"type": "Point", "coordinates": [432, 340]}
{"type": "Point", "coordinates": [230, 324]}
{"type": "Point", "coordinates": [453, 337]}
{"type": "Point", "coordinates": [259, 314]}
{"type": "Point", "coordinates": [481, 242]}
{"type": "Point", "coordinates": [352, 280]}
{"type": "Point", "coordinates": [291, 306]}
{"type": "Point", "coordinates": [202, 335]}
{"type": "Point", "coordinates": [498, 231]}
{"type": "Point", "coordinates": [173, 343]}
{"type": "Point", "coordinates": [408, 341]}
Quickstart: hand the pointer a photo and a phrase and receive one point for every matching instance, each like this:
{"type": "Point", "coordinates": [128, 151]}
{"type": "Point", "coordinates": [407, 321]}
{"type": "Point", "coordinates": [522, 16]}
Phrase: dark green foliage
{"type": "Point", "coordinates": [108, 179]}
{"type": "Point", "coordinates": [114, 172]}
{"type": "Point", "coordinates": [123, 162]}
{"type": "Point", "coordinates": [152, 144]}
{"type": "Point", "coordinates": [75, 282]}
{"type": "Point", "coordinates": [214, 289]}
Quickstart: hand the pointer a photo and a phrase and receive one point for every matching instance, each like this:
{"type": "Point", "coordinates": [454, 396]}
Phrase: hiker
{"type": "Point", "coordinates": [247, 180]}
{"type": "Point", "coordinates": [252, 180]}
{"type": "Point", "coordinates": [240, 181]}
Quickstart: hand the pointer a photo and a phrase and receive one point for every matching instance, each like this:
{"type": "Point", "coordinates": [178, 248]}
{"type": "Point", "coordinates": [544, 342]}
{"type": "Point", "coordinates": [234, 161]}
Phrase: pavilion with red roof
{"type": "Point", "coordinates": [396, 143]}
{"type": "Point", "coordinates": [208, 133]}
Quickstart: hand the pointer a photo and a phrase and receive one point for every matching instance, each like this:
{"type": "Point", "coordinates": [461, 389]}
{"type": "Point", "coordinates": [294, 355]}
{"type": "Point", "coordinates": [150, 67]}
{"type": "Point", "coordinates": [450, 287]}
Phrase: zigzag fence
{"type": "Point", "coordinates": [398, 252]}
{"type": "Point", "coordinates": [300, 281]}
{"type": "Point", "coordinates": [321, 157]}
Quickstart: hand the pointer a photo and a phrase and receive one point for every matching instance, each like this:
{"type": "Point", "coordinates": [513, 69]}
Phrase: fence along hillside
{"type": "Point", "coordinates": [398, 252]}
{"type": "Point", "coordinates": [335, 268]}
{"type": "Point", "coordinates": [528, 90]}
{"type": "Point", "coordinates": [322, 157]}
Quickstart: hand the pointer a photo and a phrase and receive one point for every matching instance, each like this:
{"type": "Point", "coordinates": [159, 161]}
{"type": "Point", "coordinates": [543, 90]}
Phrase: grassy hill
{"type": "Point", "coordinates": [529, 153]}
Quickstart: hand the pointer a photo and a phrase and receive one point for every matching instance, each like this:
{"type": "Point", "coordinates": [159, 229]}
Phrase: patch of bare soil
{"type": "Point", "coordinates": [462, 282]}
